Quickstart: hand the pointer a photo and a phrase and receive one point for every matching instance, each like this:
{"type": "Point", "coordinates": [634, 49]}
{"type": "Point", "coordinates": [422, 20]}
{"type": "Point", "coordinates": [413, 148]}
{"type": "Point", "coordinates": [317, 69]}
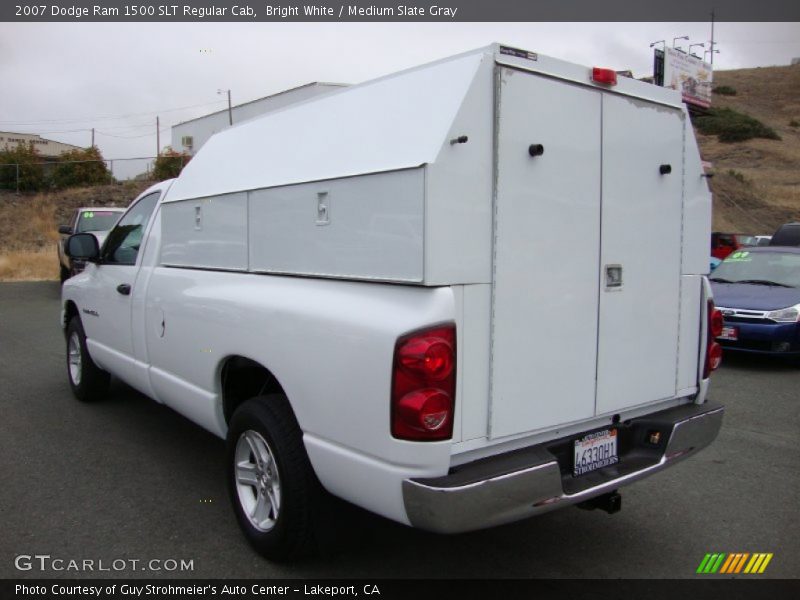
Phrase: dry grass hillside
{"type": "Point", "coordinates": [757, 182]}
{"type": "Point", "coordinates": [29, 226]}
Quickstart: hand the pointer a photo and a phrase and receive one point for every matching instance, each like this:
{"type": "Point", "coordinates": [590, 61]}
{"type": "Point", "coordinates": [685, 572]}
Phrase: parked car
{"type": "Point", "coordinates": [786, 235]}
{"type": "Point", "coordinates": [722, 244]}
{"type": "Point", "coordinates": [97, 220]}
{"type": "Point", "coordinates": [758, 292]}
{"type": "Point", "coordinates": [762, 240]}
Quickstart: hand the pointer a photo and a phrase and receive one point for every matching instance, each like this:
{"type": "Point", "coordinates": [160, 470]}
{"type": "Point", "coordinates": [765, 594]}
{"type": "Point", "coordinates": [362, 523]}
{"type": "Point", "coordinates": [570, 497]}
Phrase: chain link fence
{"type": "Point", "coordinates": [49, 175]}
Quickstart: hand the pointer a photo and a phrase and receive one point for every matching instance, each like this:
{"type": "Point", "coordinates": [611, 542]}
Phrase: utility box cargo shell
{"type": "Point", "coordinates": [402, 179]}
{"type": "Point", "coordinates": [363, 184]}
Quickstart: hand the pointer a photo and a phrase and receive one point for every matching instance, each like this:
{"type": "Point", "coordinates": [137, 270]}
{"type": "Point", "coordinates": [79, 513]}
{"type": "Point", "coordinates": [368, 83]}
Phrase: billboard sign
{"type": "Point", "coordinates": [689, 75]}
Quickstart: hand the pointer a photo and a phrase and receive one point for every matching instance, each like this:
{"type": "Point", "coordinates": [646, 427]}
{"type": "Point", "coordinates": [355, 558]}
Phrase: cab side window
{"type": "Point", "coordinates": [122, 245]}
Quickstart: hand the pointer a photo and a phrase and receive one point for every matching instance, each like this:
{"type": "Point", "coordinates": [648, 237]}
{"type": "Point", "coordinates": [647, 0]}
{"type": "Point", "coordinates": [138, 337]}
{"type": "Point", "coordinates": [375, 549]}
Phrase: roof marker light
{"type": "Point", "coordinates": [605, 76]}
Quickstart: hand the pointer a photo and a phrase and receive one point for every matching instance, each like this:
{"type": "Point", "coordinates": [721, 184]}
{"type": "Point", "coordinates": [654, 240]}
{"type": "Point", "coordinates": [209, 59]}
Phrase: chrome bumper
{"type": "Point", "coordinates": [531, 481]}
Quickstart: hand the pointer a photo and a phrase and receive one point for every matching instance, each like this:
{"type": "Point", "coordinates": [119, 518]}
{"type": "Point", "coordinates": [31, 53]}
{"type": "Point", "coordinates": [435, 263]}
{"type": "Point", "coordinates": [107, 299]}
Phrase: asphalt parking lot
{"type": "Point", "coordinates": [130, 479]}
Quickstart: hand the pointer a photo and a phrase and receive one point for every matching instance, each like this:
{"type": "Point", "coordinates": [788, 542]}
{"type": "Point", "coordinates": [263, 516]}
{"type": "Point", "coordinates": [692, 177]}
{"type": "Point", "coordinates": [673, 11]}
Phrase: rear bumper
{"type": "Point", "coordinates": [527, 482]}
{"type": "Point", "coordinates": [764, 338]}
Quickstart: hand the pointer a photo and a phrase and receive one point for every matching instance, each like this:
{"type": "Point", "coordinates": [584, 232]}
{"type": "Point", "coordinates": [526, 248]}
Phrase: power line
{"type": "Point", "coordinates": [108, 117]}
{"type": "Point", "coordinates": [122, 128]}
{"type": "Point", "coordinates": [131, 137]}
{"type": "Point", "coordinates": [795, 42]}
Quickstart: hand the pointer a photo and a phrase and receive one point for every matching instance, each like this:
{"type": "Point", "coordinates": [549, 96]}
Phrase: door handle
{"type": "Point", "coordinates": [124, 289]}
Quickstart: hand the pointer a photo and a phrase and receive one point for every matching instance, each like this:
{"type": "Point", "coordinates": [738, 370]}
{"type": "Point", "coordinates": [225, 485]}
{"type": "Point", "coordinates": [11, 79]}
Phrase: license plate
{"type": "Point", "coordinates": [729, 333]}
{"type": "Point", "coordinates": [595, 451]}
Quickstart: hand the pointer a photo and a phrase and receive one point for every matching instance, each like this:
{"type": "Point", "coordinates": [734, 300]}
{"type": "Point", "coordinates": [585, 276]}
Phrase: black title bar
{"type": "Point", "coordinates": [391, 589]}
{"type": "Point", "coordinates": [398, 11]}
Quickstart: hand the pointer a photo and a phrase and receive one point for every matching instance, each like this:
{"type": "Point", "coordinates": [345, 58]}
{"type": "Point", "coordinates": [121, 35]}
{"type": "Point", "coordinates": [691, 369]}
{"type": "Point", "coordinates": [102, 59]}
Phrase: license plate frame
{"type": "Point", "coordinates": [729, 333]}
{"type": "Point", "coordinates": [594, 451]}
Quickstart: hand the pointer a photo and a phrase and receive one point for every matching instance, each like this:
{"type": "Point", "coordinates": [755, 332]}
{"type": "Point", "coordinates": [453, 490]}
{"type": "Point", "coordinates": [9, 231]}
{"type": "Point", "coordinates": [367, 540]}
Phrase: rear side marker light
{"type": "Point", "coordinates": [604, 76]}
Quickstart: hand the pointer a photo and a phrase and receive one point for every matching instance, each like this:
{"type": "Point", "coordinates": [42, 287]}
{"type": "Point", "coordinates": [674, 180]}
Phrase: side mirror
{"type": "Point", "coordinates": [65, 229]}
{"type": "Point", "coordinates": [83, 246]}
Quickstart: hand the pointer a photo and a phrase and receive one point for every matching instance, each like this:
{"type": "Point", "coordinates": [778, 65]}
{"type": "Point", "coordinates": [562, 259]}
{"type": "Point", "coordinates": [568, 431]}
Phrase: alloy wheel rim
{"type": "Point", "coordinates": [74, 358]}
{"type": "Point", "coordinates": [257, 481]}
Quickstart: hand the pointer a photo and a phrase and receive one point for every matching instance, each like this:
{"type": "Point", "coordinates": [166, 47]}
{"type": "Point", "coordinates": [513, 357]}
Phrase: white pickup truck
{"type": "Point", "coordinates": [456, 296]}
{"type": "Point", "coordinates": [98, 220]}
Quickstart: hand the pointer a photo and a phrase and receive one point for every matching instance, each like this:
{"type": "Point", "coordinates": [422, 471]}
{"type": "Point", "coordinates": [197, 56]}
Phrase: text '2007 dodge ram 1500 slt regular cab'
{"type": "Point", "coordinates": [360, 293]}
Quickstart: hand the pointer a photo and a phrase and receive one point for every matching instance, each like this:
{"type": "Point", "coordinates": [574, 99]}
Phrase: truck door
{"type": "Point", "coordinates": [547, 253]}
{"type": "Point", "coordinates": [108, 326]}
{"type": "Point", "coordinates": [641, 243]}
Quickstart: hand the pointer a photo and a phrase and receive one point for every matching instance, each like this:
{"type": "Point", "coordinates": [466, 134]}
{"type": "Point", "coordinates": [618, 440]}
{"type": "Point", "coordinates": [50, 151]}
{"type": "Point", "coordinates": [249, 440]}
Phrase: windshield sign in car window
{"type": "Point", "coordinates": [97, 220]}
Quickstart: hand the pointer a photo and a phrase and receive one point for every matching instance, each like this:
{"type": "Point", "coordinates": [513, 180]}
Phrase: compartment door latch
{"type": "Point", "coordinates": [323, 209]}
{"type": "Point", "coordinates": [613, 278]}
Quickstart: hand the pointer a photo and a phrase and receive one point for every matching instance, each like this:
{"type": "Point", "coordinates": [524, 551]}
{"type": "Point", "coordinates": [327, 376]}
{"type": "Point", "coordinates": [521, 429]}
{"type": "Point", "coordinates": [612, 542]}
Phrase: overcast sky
{"type": "Point", "coordinates": [60, 77]}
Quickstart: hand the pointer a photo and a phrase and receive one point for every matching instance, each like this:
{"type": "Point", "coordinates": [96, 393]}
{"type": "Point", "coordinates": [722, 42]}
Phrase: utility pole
{"type": "Point", "coordinates": [230, 112]}
{"type": "Point", "coordinates": [92, 137]}
{"type": "Point", "coordinates": [158, 138]}
{"type": "Point", "coordinates": [712, 37]}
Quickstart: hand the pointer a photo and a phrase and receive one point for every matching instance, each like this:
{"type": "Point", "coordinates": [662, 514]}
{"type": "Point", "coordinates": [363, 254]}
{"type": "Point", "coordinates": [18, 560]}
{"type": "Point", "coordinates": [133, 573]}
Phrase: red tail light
{"type": "Point", "coordinates": [713, 349]}
{"type": "Point", "coordinates": [424, 384]}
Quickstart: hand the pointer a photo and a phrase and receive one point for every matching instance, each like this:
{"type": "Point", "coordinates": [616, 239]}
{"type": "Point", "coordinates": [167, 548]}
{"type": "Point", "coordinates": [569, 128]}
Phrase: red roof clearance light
{"type": "Point", "coordinates": [604, 76]}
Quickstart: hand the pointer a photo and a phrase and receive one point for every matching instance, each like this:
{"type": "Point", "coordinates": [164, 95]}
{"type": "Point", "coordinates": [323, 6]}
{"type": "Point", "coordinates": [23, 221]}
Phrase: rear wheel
{"type": "Point", "coordinates": [270, 480]}
{"type": "Point", "coordinates": [88, 381]}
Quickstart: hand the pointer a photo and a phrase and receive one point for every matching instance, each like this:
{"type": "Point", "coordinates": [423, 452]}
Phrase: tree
{"type": "Point", "coordinates": [31, 173]}
{"type": "Point", "coordinates": [80, 168]}
{"type": "Point", "coordinates": [170, 163]}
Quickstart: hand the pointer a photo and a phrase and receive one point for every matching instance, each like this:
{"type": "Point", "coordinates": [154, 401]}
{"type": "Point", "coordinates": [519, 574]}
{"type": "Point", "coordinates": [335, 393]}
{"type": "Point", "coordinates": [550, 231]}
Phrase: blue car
{"type": "Point", "coordinates": [758, 291]}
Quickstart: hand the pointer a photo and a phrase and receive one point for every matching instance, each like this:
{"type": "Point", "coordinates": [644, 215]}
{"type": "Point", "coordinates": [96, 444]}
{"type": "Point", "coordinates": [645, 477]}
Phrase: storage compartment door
{"type": "Point", "coordinates": [547, 243]}
{"type": "Point", "coordinates": [641, 243]}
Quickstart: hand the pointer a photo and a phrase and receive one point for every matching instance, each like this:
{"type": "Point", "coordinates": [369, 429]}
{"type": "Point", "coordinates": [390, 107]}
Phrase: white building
{"type": "Point", "coordinates": [47, 148]}
{"type": "Point", "coordinates": [190, 136]}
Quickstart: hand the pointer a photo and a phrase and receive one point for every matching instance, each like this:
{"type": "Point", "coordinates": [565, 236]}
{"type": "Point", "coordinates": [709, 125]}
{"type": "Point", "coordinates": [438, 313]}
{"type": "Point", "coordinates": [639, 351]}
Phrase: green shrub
{"type": "Point", "coordinates": [80, 168]}
{"type": "Point", "coordinates": [794, 123]}
{"type": "Point", "coordinates": [31, 172]}
{"type": "Point", "coordinates": [724, 90]}
{"type": "Point", "coordinates": [169, 164]}
{"type": "Point", "coordinates": [738, 176]}
{"type": "Point", "coordinates": [732, 126]}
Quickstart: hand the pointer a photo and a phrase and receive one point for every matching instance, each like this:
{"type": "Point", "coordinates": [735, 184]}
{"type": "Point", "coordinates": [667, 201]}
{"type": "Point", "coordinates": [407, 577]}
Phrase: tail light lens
{"type": "Point", "coordinates": [713, 349]}
{"type": "Point", "coordinates": [424, 384]}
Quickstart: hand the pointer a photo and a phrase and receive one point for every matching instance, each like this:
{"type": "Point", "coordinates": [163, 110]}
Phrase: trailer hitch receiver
{"type": "Point", "coordinates": [610, 502]}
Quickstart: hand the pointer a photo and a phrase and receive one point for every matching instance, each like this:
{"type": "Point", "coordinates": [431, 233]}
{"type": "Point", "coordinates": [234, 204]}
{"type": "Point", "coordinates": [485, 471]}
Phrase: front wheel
{"type": "Point", "coordinates": [270, 480]}
{"type": "Point", "coordinates": [88, 381]}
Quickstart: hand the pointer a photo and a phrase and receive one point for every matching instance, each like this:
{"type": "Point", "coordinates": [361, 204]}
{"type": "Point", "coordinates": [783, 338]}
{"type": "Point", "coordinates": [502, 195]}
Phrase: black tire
{"type": "Point", "coordinates": [64, 274]}
{"type": "Point", "coordinates": [89, 382]}
{"type": "Point", "coordinates": [289, 534]}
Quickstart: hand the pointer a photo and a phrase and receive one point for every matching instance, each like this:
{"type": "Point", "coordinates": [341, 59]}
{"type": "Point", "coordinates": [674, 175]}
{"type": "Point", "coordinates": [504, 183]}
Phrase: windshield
{"type": "Point", "coordinates": [97, 220]}
{"type": "Point", "coordinates": [782, 268]}
{"type": "Point", "coordinates": [747, 240]}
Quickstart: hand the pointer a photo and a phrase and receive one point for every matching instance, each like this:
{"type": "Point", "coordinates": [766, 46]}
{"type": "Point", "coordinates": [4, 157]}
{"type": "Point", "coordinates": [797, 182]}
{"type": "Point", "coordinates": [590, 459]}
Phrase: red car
{"type": "Point", "coordinates": [722, 244]}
